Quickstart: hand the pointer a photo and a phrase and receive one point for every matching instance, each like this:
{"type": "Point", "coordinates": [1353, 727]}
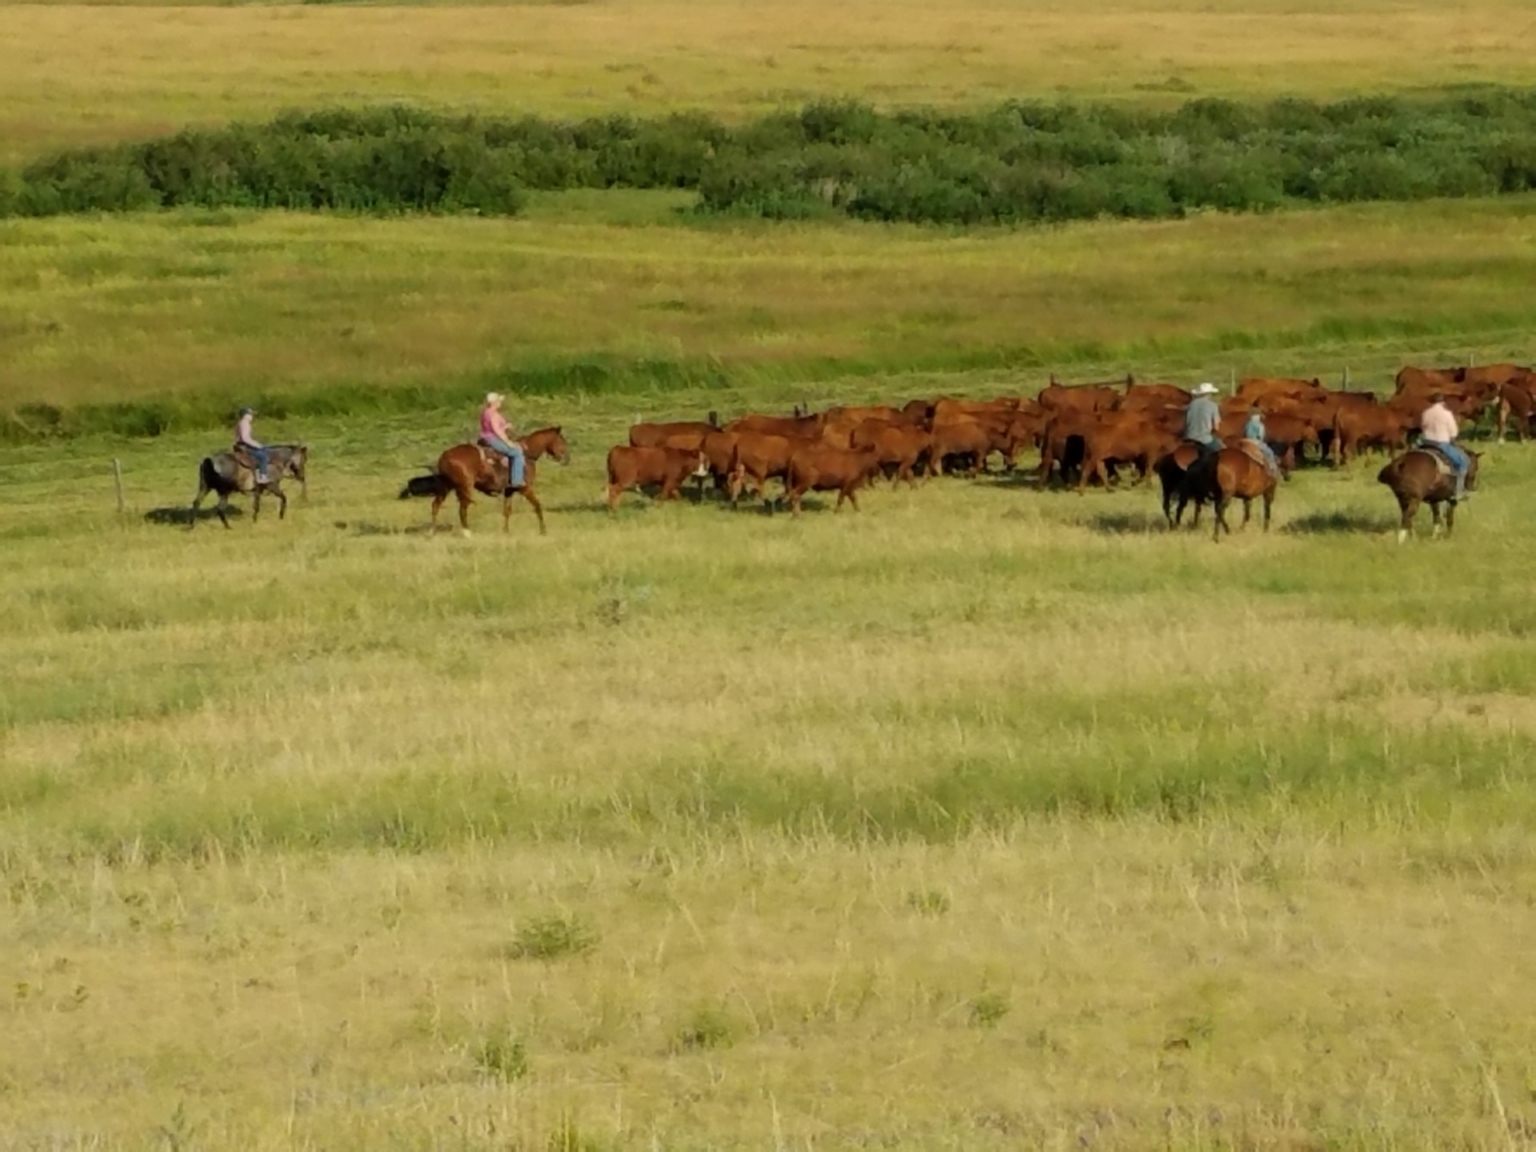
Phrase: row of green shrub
{"type": "Point", "coordinates": [1018, 161]}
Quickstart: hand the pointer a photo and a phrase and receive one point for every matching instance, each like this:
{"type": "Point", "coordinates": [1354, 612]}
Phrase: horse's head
{"type": "Point", "coordinates": [548, 442]}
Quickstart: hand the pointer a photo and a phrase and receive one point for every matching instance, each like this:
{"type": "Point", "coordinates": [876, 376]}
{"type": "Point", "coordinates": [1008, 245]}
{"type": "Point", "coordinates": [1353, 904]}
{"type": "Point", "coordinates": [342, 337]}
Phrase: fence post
{"type": "Point", "coordinates": [1346, 377]}
{"type": "Point", "coordinates": [117, 479]}
{"type": "Point", "coordinates": [1231, 381]}
{"type": "Point", "coordinates": [1471, 359]}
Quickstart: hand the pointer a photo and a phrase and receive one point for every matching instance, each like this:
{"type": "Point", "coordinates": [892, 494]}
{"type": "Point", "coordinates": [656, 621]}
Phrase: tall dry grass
{"type": "Point", "coordinates": [985, 816]}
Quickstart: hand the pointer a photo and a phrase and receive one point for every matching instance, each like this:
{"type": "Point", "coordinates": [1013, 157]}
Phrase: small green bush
{"type": "Point", "coordinates": [550, 937]}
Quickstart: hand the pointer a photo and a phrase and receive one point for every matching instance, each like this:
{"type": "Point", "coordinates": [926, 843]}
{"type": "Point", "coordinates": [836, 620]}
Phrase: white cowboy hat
{"type": "Point", "coordinates": [494, 397]}
{"type": "Point", "coordinates": [1206, 389]}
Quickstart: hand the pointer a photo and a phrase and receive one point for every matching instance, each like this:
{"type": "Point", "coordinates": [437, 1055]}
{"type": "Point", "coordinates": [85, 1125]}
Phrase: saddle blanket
{"type": "Point", "coordinates": [1442, 462]}
{"type": "Point", "coordinates": [1255, 452]}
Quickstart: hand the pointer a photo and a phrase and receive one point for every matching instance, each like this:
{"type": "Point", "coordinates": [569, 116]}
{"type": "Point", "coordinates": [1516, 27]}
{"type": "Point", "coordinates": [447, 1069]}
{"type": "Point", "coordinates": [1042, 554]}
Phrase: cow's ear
{"type": "Point", "coordinates": [559, 428]}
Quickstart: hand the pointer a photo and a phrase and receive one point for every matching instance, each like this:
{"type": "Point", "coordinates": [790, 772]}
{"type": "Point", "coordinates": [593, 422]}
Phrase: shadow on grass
{"type": "Point", "coordinates": [1341, 522]}
{"type": "Point", "coordinates": [374, 528]}
{"type": "Point", "coordinates": [181, 515]}
{"type": "Point", "coordinates": [1122, 523]}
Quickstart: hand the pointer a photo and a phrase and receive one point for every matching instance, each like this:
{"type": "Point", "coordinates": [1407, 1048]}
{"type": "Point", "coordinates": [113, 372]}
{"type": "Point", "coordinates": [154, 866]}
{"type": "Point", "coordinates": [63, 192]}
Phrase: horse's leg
{"type": "Point", "coordinates": [1434, 515]}
{"type": "Point", "coordinates": [1247, 512]}
{"type": "Point", "coordinates": [461, 489]}
{"type": "Point", "coordinates": [282, 502]}
{"type": "Point", "coordinates": [1269, 500]}
{"type": "Point", "coordinates": [202, 491]}
{"type": "Point", "coordinates": [222, 508]}
{"type": "Point", "coordinates": [1410, 507]}
{"type": "Point", "coordinates": [1221, 517]}
{"type": "Point", "coordinates": [1450, 519]}
{"type": "Point", "coordinates": [538, 509]}
{"type": "Point", "coordinates": [506, 511]}
{"type": "Point", "coordinates": [255, 503]}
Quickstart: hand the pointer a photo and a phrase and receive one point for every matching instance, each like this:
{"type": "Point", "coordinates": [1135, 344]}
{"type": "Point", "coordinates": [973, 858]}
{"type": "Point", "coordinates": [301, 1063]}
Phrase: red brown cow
{"type": "Point", "coordinates": [1081, 397]}
{"type": "Point", "coordinates": [682, 434]}
{"type": "Point", "coordinates": [961, 444]}
{"type": "Point", "coordinates": [900, 448]}
{"type": "Point", "coordinates": [1386, 426]}
{"type": "Point", "coordinates": [1123, 438]}
{"type": "Point", "coordinates": [822, 468]}
{"type": "Point", "coordinates": [663, 468]}
{"type": "Point", "coordinates": [1253, 388]}
{"type": "Point", "coordinates": [1143, 397]}
{"type": "Point", "coordinates": [759, 457]}
{"type": "Point", "coordinates": [793, 427]}
{"type": "Point", "coordinates": [1517, 406]}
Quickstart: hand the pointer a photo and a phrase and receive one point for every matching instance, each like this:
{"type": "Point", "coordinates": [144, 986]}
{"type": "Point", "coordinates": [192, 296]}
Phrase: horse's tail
{"type": "Point", "coordinates": [208, 474]}
{"type": "Point", "coordinates": [432, 484]}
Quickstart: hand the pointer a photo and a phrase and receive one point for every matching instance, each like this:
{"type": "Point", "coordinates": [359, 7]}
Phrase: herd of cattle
{"type": "Point", "coordinates": [1083, 432]}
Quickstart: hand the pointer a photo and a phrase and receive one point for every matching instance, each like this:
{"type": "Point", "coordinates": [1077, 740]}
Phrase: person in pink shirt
{"type": "Point", "coordinates": [1438, 430]}
{"type": "Point", "coordinates": [496, 436]}
{"type": "Point", "coordinates": [245, 438]}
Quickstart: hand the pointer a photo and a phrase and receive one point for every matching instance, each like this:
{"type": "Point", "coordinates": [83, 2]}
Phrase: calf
{"type": "Point", "coordinates": [663, 468]}
{"type": "Point", "coordinates": [822, 468]}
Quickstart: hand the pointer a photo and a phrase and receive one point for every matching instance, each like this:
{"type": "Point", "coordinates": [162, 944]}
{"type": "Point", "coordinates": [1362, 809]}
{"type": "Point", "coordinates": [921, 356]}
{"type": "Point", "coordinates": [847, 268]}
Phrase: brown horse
{"type": "Point", "coordinates": [1416, 478]}
{"type": "Point", "coordinates": [466, 468]}
{"type": "Point", "coordinates": [1225, 475]}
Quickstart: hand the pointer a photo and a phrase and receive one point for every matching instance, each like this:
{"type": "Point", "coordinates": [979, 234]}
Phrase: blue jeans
{"type": "Point", "coordinates": [513, 452]}
{"type": "Point", "coordinates": [1269, 455]}
{"type": "Point", "coordinates": [262, 457]}
{"type": "Point", "coordinates": [1459, 460]}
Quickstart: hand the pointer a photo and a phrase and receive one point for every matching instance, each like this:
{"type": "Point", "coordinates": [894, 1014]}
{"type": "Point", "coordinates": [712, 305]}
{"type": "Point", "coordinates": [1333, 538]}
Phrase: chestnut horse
{"type": "Point", "coordinates": [466, 468]}
{"type": "Point", "coordinates": [1415, 478]}
{"type": "Point", "coordinates": [1221, 477]}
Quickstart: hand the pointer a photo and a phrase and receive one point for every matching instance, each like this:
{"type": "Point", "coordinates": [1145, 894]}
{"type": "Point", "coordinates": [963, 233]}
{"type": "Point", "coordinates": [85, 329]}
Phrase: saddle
{"type": "Point", "coordinates": [1443, 463]}
{"type": "Point", "coordinates": [1255, 452]}
{"type": "Point", "coordinates": [243, 457]}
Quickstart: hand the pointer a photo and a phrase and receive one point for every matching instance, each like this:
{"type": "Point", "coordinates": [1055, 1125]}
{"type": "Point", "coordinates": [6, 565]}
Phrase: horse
{"type": "Point", "coordinates": [1223, 475]}
{"type": "Point", "coordinates": [225, 473]}
{"type": "Point", "coordinates": [466, 468]}
{"type": "Point", "coordinates": [1416, 478]}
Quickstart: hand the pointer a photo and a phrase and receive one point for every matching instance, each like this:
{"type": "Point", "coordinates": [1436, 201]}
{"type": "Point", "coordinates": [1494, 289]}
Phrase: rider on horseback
{"type": "Point", "coordinates": [496, 436]}
{"type": "Point", "coordinates": [245, 438]}
{"type": "Point", "coordinates": [1202, 418]}
{"type": "Point", "coordinates": [1437, 430]}
{"type": "Point", "coordinates": [1254, 430]}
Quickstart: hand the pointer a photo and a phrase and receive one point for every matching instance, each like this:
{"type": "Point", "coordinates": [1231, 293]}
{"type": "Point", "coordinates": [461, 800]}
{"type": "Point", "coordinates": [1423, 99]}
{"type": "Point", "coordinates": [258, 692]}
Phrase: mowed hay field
{"type": "Point", "coordinates": [986, 817]}
{"type": "Point", "coordinates": [71, 74]}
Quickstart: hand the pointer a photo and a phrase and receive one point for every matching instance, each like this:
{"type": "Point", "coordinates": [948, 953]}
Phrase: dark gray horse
{"type": "Point", "coordinates": [230, 472]}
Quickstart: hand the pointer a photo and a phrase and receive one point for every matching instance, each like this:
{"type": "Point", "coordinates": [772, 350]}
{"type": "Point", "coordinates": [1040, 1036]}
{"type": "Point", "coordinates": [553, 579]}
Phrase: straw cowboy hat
{"type": "Point", "coordinates": [1206, 389]}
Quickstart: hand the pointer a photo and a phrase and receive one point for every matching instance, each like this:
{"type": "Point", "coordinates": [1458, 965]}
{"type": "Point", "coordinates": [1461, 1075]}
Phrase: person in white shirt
{"type": "Point", "coordinates": [1438, 430]}
{"type": "Point", "coordinates": [245, 438]}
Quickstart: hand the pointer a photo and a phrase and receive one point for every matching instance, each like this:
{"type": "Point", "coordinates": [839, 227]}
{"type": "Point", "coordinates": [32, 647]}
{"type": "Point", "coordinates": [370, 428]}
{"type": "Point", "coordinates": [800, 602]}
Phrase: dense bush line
{"type": "Point", "coordinates": [1017, 162]}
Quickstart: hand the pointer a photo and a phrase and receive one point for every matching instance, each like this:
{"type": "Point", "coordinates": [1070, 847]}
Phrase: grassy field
{"type": "Point", "coordinates": [987, 816]}
{"type": "Point", "coordinates": [72, 74]}
{"type": "Point", "coordinates": [209, 309]}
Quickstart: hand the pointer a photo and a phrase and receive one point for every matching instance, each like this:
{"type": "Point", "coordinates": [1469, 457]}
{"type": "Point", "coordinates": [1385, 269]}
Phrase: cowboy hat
{"type": "Point", "coordinates": [247, 411]}
{"type": "Point", "coordinates": [494, 397]}
{"type": "Point", "coordinates": [1206, 389]}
